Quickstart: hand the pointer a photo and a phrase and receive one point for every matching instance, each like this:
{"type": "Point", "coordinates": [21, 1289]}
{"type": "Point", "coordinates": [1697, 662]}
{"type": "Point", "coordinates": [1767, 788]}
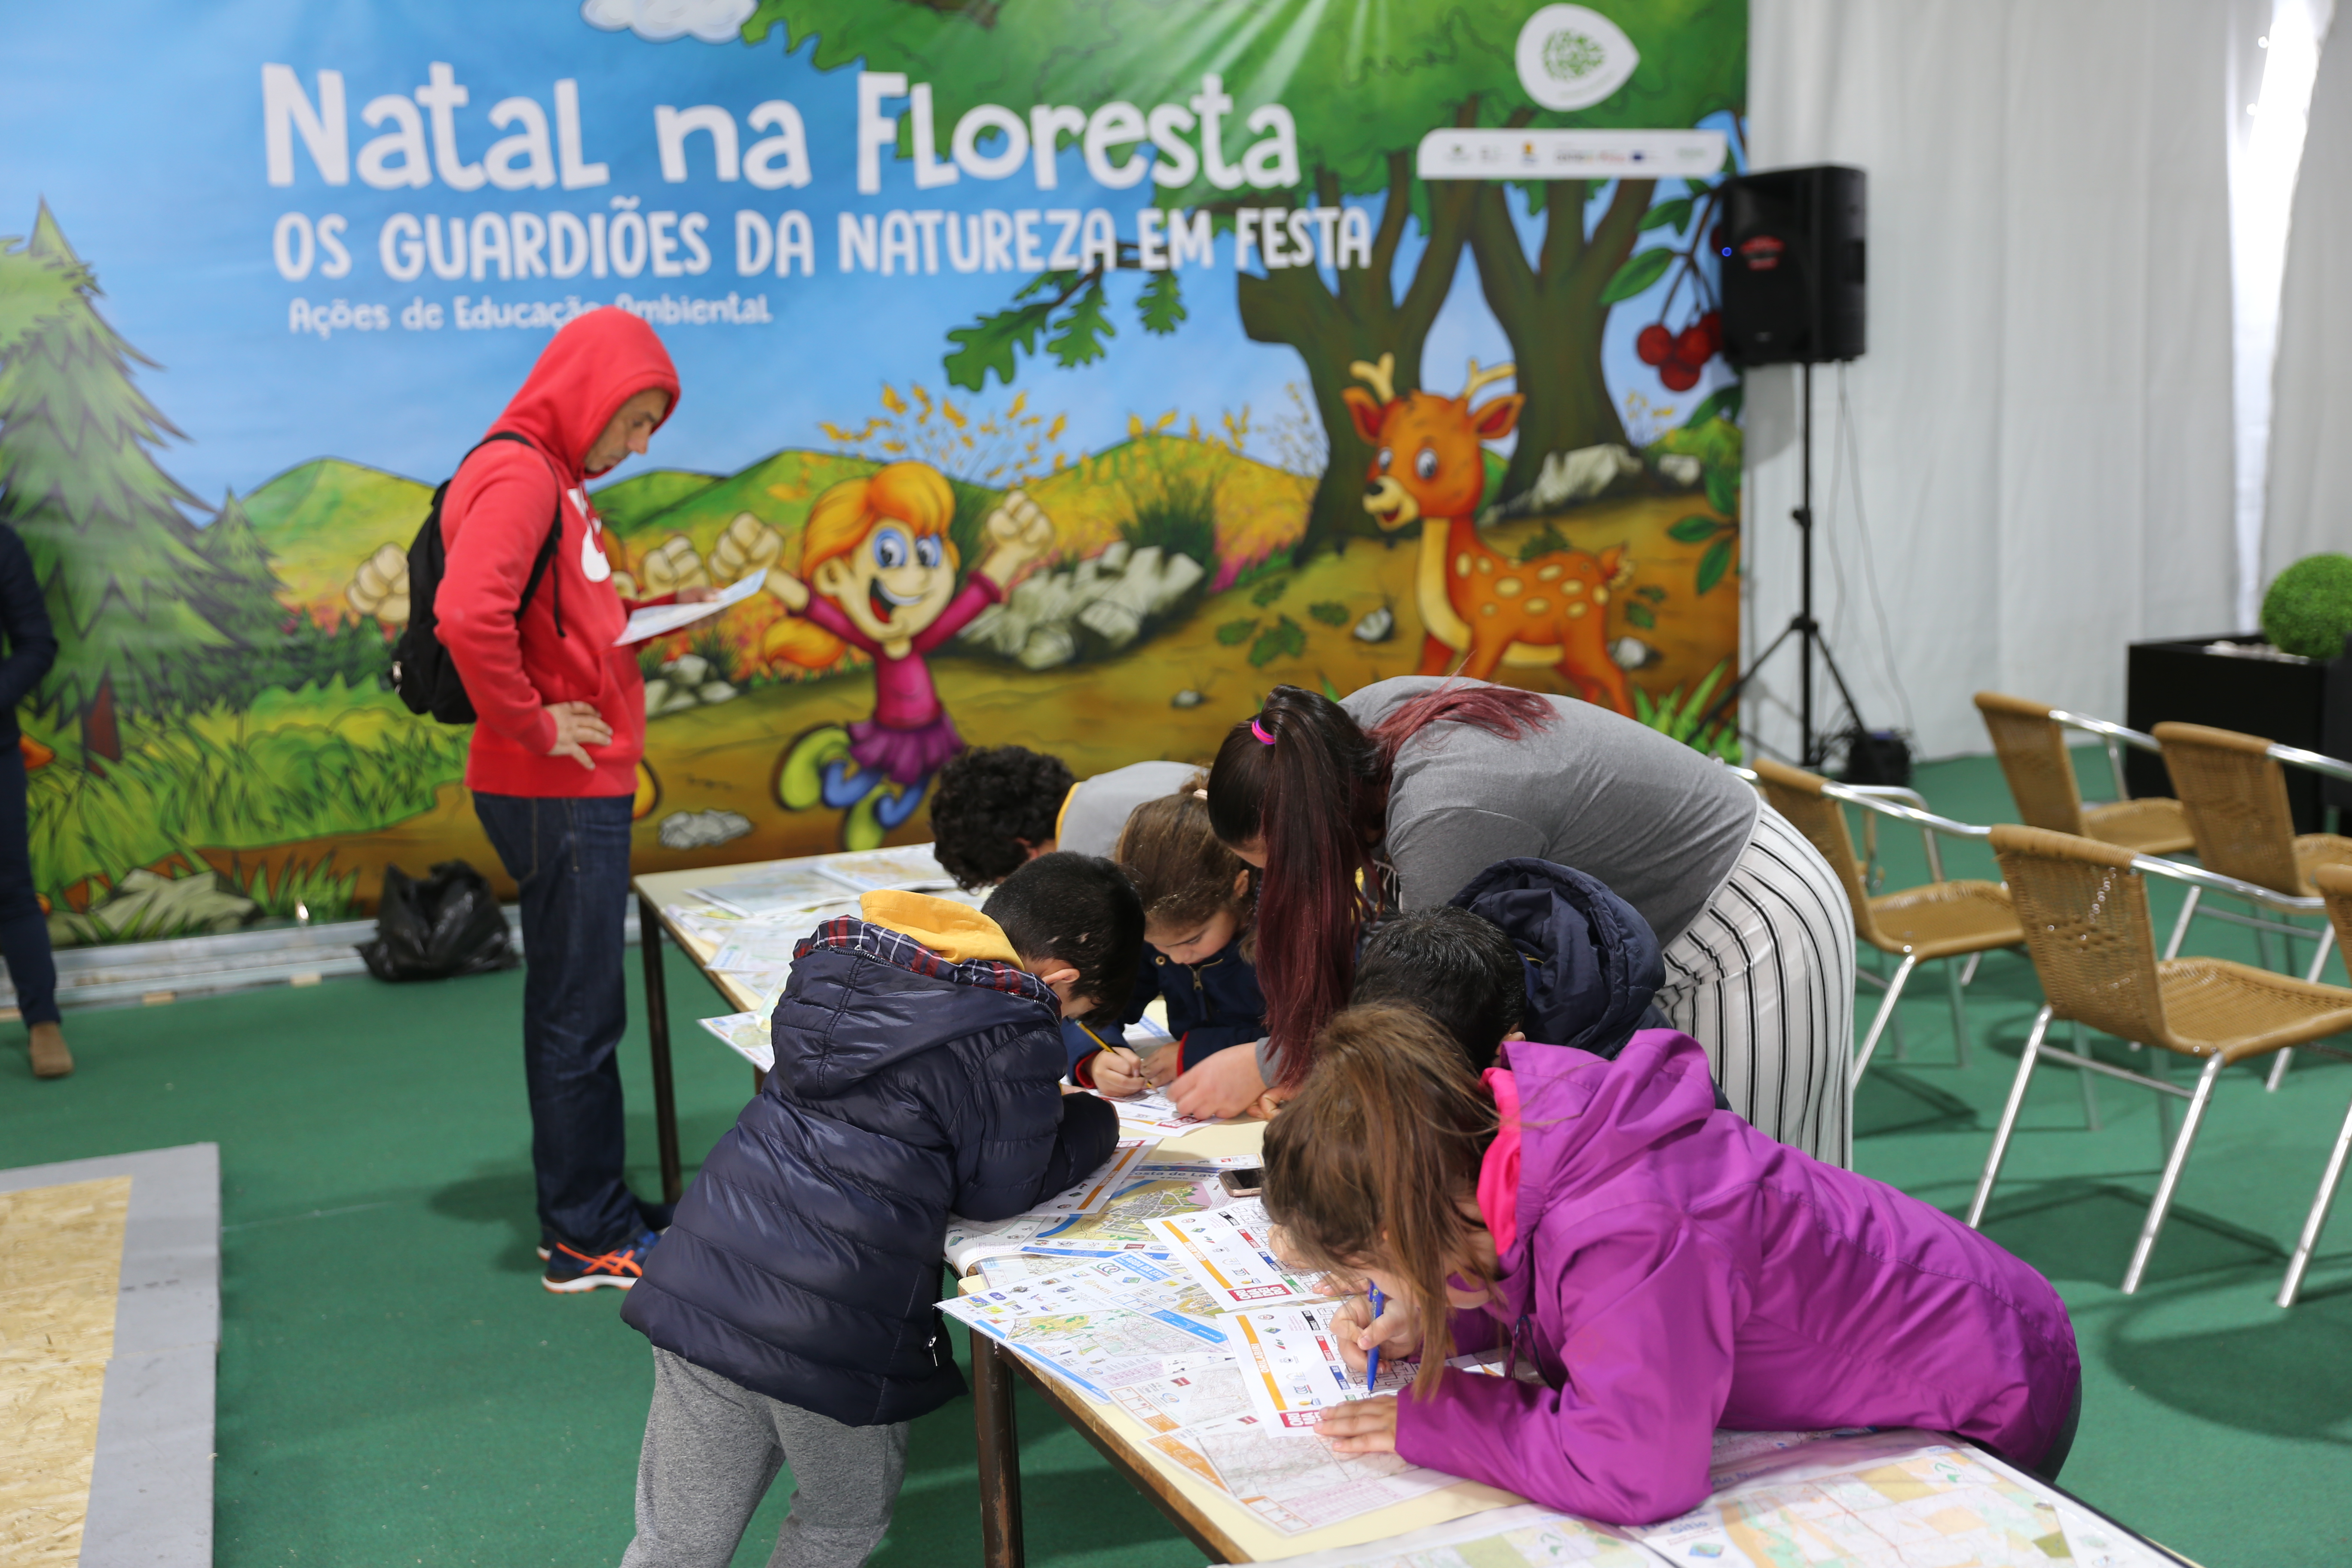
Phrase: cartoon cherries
{"type": "Point", "coordinates": [1680, 355]}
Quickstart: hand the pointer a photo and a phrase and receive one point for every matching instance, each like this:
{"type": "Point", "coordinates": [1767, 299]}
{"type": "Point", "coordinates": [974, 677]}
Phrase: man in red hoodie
{"type": "Point", "coordinates": [553, 762]}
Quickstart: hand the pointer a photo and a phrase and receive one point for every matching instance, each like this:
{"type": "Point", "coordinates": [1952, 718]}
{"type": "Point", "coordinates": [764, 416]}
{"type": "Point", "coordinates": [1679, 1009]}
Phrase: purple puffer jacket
{"type": "Point", "coordinates": [1679, 1271]}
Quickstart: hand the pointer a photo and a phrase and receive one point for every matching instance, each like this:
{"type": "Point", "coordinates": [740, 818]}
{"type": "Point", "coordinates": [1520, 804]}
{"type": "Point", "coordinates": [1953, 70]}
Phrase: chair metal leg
{"type": "Point", "coordinates": [1885, 1011]}
{"type": "Point", "coordinates": [2180, 926]}
{"type": "Point", "coordinates": [2262, 951]}
{"type": "Point", "coordinates": [2154, 1224]}
{"type": "Point", "coordinates": [1959, 1012]}
{"type": "Point", "coordinates": [2319, 959]}
{"type": "Point", "coordinates": [1968, 970]}
{"type": "Point", "coordinates": [2317, 1221]}
{"type": "Point", "coordinates": [2090, 1083]}
{"type": "Point", "coordinates": [2318, 962]}
{"type": "Point", "coordinates": [2008, 1114]}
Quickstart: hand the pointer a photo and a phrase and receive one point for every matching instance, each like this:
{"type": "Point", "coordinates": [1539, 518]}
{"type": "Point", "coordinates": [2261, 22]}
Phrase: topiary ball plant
{"type": "Point", "coordinates": [2308, 610]}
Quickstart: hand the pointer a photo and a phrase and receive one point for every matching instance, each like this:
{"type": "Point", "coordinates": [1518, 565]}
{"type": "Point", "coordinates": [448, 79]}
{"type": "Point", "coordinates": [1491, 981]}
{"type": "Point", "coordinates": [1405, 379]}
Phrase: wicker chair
{"type": "Point", "coordinates": [2084, 906]}
{"type": "Point", "coordinates": [2030, 742]}
{"type": "Point", "coordinates": [2335, 884]}
{"type": "Point", "coordinates": [2233, 789]}
{"type": "Point", "coordinates": [1952, 920]}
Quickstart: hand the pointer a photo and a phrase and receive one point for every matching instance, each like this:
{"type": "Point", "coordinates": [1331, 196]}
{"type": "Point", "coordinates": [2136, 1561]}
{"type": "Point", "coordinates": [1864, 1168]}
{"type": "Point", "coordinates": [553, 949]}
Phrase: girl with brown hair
{"type": "Point", "coordinates": [1198, 903]}
{"type": "Point", "coordinates": [1650, 1267]}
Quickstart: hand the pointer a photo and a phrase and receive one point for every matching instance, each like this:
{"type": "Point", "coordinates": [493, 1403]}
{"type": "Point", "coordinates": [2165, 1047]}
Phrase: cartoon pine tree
{"type": "Point", "coordinates": [117, 560]}
{"type": "Point", "coordinates": [245, 585]}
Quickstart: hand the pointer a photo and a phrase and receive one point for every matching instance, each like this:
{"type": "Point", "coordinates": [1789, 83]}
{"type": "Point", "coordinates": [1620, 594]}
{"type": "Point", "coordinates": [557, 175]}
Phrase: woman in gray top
{"type": "Point", "coordinates": [1403, 793]}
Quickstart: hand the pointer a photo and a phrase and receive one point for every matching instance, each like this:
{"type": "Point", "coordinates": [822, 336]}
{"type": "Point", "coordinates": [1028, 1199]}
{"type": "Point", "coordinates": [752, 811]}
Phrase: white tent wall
{"type": "Point", "coordinates": [2042, 424]}
{"type": "Point", "coordinates": [2311, 432]}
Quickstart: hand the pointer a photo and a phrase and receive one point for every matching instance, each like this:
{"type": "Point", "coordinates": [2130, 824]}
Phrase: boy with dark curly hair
{"type": "Point", "coordinates": [994, 808]}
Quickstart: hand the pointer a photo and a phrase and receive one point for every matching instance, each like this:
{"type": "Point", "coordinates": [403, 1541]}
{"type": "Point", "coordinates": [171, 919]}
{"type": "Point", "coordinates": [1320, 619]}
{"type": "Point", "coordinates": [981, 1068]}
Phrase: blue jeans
{"type": "Point", "coordinates": [23, 930]}
{"type": "Point", "coordinates": [571, 858]}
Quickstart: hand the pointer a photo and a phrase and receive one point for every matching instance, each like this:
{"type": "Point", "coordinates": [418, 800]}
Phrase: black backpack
{"type": "Point", "coordinates": [422, 671]}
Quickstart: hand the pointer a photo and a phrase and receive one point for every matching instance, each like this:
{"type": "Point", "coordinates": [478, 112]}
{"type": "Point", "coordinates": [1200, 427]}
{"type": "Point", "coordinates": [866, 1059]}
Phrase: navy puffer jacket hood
{"type": "Point", "coordinates": [1593, 964]}
{"type": "Point", "coordinates": [804, 1260]}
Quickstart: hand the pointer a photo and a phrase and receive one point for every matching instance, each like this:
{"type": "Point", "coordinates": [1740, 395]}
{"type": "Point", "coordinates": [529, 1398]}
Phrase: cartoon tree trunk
{"type": "Point", "coordinates": [1552, 310]}
{"type": "Point", "coordinates": [128, 591]}
{"type": "Point", "coordinates": [1361, 319]}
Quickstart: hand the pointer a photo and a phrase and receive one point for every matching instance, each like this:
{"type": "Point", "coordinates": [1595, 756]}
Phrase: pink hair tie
{"type": "Point", "coordinates": [1259, 730]}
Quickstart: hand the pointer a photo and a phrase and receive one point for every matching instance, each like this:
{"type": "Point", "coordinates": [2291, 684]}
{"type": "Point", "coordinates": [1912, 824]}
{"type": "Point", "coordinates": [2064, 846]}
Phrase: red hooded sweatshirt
{"type": "Point", "coordinates": [492, 524]}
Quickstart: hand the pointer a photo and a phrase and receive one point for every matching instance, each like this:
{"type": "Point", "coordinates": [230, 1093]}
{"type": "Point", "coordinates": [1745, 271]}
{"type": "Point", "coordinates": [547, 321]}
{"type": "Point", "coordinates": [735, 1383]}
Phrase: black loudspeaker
{"type": "Point", "coordinates": [1793, 247]}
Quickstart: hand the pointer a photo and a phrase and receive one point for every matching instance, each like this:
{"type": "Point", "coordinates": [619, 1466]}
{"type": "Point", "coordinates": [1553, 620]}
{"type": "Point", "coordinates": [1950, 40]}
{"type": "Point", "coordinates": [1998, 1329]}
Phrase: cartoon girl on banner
{"type": "Point", "coordinates": [878, 574]}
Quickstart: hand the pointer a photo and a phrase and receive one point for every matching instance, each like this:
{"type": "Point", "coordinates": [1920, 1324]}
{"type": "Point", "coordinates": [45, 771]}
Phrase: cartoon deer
{"type": "Point", "coordinates": [1478, 604]}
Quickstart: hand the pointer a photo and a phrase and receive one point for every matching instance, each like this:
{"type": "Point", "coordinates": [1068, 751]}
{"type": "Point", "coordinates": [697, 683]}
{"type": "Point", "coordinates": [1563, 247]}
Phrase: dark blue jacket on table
{"type": "Point", "coordinates": [1594, 965]}
{"type": "Point", "coordinates": [803, 1263]}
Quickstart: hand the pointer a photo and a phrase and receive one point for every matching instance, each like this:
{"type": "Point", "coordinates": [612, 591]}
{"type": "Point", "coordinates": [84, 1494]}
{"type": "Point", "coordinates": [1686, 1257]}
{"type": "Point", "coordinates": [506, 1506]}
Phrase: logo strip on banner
{"type": "Point", "coordinates": [1505, 154]}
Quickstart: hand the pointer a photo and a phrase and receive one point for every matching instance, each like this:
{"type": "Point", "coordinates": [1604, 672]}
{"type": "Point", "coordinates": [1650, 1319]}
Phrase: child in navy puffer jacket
{"type": "Point", "coordinates": [791, 1304]}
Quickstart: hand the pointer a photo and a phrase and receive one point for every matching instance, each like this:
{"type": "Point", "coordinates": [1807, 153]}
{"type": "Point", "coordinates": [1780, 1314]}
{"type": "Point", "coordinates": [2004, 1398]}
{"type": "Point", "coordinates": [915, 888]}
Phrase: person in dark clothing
{"type": "Point", "coordinates": [23, 928]}
{"type": "Point", "coordinates": [1528, 950]}
{"type": "Point", "coordinates": [1593, 966]}
{"type": "Point", "coordinates": [1457, 967]}
{"type": "Point", "coordinates": [791, 1306]}
{"type": "Point", "coordinates": [1083, 926]}
{"type": "Point", "coordinates": [1197, 908]}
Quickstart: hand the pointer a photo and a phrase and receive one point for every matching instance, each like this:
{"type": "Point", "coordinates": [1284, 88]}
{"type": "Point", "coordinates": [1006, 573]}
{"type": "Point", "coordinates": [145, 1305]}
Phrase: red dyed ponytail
{"type": "Point", "coordinates": [1315, 798]}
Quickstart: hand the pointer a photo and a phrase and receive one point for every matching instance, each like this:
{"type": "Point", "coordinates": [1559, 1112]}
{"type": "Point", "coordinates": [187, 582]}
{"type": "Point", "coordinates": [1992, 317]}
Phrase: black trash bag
{"type": "Point", "coordinates": [447, 924]}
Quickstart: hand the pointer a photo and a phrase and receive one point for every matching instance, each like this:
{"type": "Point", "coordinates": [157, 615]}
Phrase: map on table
{"type": "Point", "coordinates": [1792, 1500]}
{"type": "Point", "coordinates": [1295, 1482]}
{"type": "Point", "coordinates": [1228, 1251]}
{"type": "Point", "coordinates": [747, 1034]}
{"type": "Point", "coordinates": [1292, 1367]}
{"type": "Point", "coordinates": [906, 867]}
{"type": "Point", "coordinates": [1891, 1499]}
{"type": "Point", "coordinates": [776, 890]}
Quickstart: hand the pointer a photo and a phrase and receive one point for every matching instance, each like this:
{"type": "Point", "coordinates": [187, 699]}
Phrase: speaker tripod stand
{"type": "Point", "coordinates": [1814, 745]}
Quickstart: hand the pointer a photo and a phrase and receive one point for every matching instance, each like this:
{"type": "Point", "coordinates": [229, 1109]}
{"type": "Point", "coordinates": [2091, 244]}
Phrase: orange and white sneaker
{"type": "Point", "coordinates": [569, 1271]}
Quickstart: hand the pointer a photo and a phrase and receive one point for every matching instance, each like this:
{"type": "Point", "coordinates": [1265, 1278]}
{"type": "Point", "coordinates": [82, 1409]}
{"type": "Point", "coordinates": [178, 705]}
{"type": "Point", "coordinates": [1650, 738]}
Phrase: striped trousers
{"type": "Point", "coordinates": [1764, 979]}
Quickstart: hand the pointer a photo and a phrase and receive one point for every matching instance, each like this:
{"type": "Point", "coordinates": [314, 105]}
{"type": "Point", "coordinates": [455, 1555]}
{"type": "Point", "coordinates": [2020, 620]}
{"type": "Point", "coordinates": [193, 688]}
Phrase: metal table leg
{"type": "Point", "coordinates": [649, 945]}
{"type": "Point", "coordinates": [1000, 1456]}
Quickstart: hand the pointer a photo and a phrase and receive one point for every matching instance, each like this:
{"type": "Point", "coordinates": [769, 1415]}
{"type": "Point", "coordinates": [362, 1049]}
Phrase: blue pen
{"type": "Point", "coordinates": [1372, 1357]}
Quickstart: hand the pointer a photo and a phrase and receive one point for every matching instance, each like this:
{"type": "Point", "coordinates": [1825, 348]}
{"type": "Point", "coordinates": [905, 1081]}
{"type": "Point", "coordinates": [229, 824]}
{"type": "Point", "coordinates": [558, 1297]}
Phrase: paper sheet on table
{"type": "Point", "coordinates": [1143, 1284]}
{"type": "Point", "coordinates": [662, 619]}
{"type": "Point", "coordinates": [879, 868]}
{"type": "Point", "coordinates": [1879, 1499]}
{"type": "Point", "coordinates": [1522, 1535]}
{"type": "Point", "coordinates": [748, 1034]}
{"type": "Point", "coordinates": [1295, 1482]}
{"type": "Point", "coordinates": [1194, 1394]}
{"type": "Point", "coordinates": [1081, 1336]}
{"type": "Point", "coordinates": [969, 1241]}
{"type": "Point", "coordinates": [779, 890]}
{"type": "Point", "coordinates": [1227, 1251]}
{"type": "Point", "coordinates": [1098, 1188]}
{"type": "Point", "coordinates": [1152, 1109]}
{"type": "Point", "coordinates": [1292, 1368]}
{"type": "Point", "coordinates": [1124, 1225]}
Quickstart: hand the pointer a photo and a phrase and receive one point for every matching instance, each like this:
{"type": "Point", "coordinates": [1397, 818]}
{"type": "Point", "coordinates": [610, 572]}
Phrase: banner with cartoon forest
{"type": "Point", "coordinates": [1249, 342]}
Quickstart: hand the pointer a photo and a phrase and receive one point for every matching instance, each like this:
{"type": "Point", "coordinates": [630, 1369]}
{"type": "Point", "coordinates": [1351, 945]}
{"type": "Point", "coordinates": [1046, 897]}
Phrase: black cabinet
{"type": "Point", "coordinates": [2293, 702]}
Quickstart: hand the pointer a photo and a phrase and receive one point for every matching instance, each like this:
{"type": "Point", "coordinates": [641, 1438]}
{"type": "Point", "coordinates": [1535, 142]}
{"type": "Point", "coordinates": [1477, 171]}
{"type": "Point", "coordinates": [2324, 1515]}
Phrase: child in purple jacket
{"type": "Point", "coordinates": [1654, 1267]}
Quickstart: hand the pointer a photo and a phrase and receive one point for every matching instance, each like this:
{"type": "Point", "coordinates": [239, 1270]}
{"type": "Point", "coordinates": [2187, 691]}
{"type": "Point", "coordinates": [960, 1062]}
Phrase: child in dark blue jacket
{"type": "Point", "coordinates": [791, 1304]}
{"type": "Point", "coordinates": [1197, 906]}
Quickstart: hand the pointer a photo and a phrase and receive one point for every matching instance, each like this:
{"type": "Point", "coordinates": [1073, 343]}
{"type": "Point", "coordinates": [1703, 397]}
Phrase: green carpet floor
{"type": "Point", "coordinates": [395, 1387]}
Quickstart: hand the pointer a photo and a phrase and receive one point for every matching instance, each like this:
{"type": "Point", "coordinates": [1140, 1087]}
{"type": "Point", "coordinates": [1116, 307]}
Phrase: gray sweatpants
{"type": "Point", "coordinates": [712, 1448]}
